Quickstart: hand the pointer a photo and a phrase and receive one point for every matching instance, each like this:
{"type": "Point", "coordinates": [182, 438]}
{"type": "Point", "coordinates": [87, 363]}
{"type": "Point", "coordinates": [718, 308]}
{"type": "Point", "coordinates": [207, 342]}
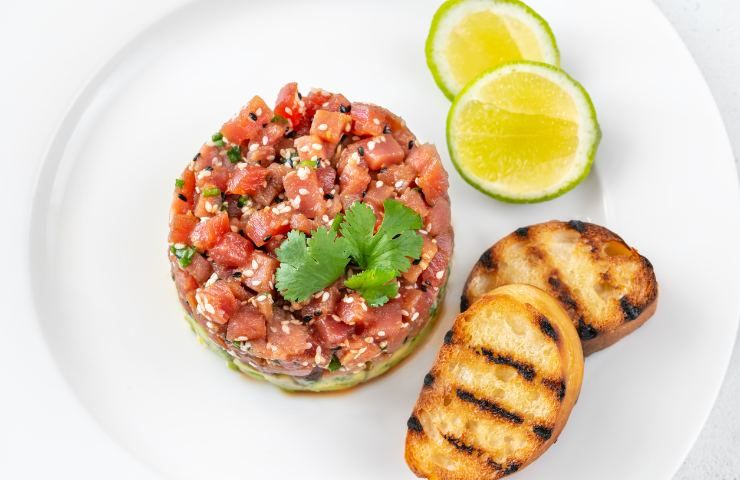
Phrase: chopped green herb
{"type": "Point", "coordinates": [308, 163]}
{"type": "Point", "coordinates": [242, 201]}
{"type": "Point", "coordinates": [376, 286]}
{"type": "Point", "coordinates": [211, 192]}
{"type": "Point", "coordinates": [184, 255]}
{"type": "Point", "coordinates": [307, 266]}
{"type": "Point", "coordinates": [335, 364]}
{"type": "Point", "coordinates": [219, 143]}
{"type": "Point", "coordinates": [217, 136]}
{"type": "Point", "coordinates": [179, 182]}
{"type": "Point", "coordinates": [234, 154]}
{"type": "Point", "coordinates": [279, 119]}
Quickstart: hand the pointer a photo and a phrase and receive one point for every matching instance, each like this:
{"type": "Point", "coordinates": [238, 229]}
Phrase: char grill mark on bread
{"type": "Point", "coordinates": [502, 387]}
{"type": "Point", "coordinates": [607, 288]}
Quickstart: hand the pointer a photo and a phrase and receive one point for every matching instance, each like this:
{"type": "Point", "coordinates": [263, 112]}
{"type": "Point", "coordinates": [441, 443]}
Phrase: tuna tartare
{"type": "Point", "coordinates": [310, 243]}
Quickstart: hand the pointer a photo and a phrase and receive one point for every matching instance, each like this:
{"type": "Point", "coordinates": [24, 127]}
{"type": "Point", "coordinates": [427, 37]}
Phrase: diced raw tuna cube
{"type": "Point", "coordinates": [428, 251]}
{"type": "Point", "coordinates": [246, 324]}
{"type": "Point", "coordinates": [327, 177]}
{"type": "Point", "coordinates": [207, 233]}
{"type": "Point", "coordinates": [303, 190]}
{"type": "Point", "coordinates": [311, 147]}
{"type": "Point", "coordinates": [260, 274]}
{"type": "Point", "coordinates": [288, 104]}
{"type": "Point", "coordinates": [367, 119]}
{"type": "Point", "coordinates": [432, 177]}
{"type": "Point", "coordinates": [382, 151]}
{"type": "Point", "coordinates": [199, 268]}
{"type": "Point", "coordinates": [330, 126]}
{"type": "Point", "coordinates": [232, 250]}
{"type": "Point", "coordinates": [332, 332]}
{"type": "Point", "coordinates": [352, 310]}
{"type": "Point", "coordinates": [216, 302]}
{"type": "Point", "coordinates": [248, 180]}
{"type": "Point", "coordinates": [182, 200]}
{"type": "Point", "coordinates": [265, 223]}
{"type": "Point", "coordinates": [412, 199]}
{"type": "Point", "coordinates": [438, 219]}
{"type": "Point", "coordinates": [247, 124]}
{"type": "Point", "coordinates": [181, 226]}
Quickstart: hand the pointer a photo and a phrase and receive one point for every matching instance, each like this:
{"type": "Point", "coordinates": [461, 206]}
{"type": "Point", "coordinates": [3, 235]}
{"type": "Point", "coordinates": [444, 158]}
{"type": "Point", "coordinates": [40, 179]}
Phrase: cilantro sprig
{"type": "Point", "coordinates": [310, 265]}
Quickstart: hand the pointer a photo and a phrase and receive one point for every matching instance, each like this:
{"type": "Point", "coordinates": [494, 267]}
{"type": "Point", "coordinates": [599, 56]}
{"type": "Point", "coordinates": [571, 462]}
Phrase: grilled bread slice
{"type": "Point", "coordinates": [501, 389]}
{"type": "Point", "coordinates": [606, 286]}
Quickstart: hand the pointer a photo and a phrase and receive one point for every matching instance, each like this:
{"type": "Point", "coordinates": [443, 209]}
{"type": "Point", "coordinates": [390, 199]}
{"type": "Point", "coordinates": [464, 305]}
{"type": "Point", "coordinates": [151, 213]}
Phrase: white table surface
{"type": "Point", "coordinates": [49, 49]}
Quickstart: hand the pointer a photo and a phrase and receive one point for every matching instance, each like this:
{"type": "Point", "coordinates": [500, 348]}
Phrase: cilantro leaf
{"type": "Point", "coordinates": [398, 218]}
{"type": "Point", "coordinates": [394, 243]}
{"type": "Point", "coordinates": [376, 286]}
{"type": "Point", "coordinates": [357, 228]}
{"type": "Point", "coordinates": [309, 265]}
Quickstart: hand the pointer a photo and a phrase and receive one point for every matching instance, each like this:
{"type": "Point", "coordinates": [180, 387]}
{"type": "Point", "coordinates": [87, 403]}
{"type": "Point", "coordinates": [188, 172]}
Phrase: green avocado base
{"type": "Point", "coordinates": [330, 381]}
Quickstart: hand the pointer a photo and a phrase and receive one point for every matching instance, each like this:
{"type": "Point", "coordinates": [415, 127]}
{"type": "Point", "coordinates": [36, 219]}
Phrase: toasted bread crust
{"type": "Point", "coordinates": [501, 389]}
{"type": "Point", "coordinates": [608, 288]}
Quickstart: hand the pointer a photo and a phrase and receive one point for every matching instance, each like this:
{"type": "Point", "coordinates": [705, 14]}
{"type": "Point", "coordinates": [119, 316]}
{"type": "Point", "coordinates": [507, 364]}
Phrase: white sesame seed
{"type": "Point", "coordinates": [325, 296]}
{"type": "Point", "coordinates": [304, 148]}
{"type": "Point", "coordinates": [296, 202]}
{"type": "Point", "coordinates": [336, 318]}
{"type": "Point", "coordinates": [248, 273]}
{"type": "Point", "coordinates": [404, 313]}
{"type": "Point", "coordinates": [255, 282]}
{"type": "Point", "coordinates": [258, 112]}
{"type": "Point", "coordinates": [289, 110]}
{"type": "Point", "coordinates": [325, 218]}
{"type": "Point", "coordinates": [265, 140]}
{"type": "Point", "coordinates": [379, 183]}
{"type": "Point", "coordinates": [286, 329]}
{"type": "Point", "coordinates": [399, 184]}
{"type": "Point", "coordinates": [364, 306]}
{"type": "Point", "coordinates": [383, 344]}
{"type": "Point", "coordinates": [261, 298]}
{"type": "Point", "coordinates": [414, 316]}
{"type": "Point", "coordinates": [303, 172]}
{"type": "Point", "coordinates": [323, 127]}
{"type": "Point", "coordinates": [253, 147]}
{"type": "Point", "coordinates": [209, 308]}
{"type": "Point", "coordinates": [440, 274]}
{"type": "Point", "coordinates": [318, 358]}
{"type": "Point", "coordinates": [369, 339]}
{"type": "Point", "coordinates": [381, 333]}
{"type": "Point", "coordinates": [179, 245]}
{"type": "Point", "coordinates": [423, 232]}
{"type": "Point", "coordinates": [255, 264]}
{"type": "Point", "coordinates": [302, 191]}
{"type": "Point", "coordinates": [370, 145]}
{"type": "Point", "coordinates": [376, 121]}
{"type": "Point", "coordinates": [316, 146]}
{"type": "Point", "coordinates": [348, 299]}
{"type": "Point", "coordinates": [234, 228]}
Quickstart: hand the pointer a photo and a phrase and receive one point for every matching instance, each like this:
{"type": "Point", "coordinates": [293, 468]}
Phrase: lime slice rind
{"type": "Point", "coordinates": [451, 13]}
{"type": "Point", "coordinates": [589, 133]}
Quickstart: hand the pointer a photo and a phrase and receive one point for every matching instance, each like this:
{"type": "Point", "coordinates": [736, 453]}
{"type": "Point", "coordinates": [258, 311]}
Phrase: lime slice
{"type": "Point", "coordinates": [523, 132]}
{"type": "Point", "coordinates": [468, 37]}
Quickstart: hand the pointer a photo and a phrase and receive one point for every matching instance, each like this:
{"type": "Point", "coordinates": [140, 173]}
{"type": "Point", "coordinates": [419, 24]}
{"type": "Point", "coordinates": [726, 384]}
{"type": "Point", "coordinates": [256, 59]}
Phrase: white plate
{"type": "Point", "coordinates": [664, 179]}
